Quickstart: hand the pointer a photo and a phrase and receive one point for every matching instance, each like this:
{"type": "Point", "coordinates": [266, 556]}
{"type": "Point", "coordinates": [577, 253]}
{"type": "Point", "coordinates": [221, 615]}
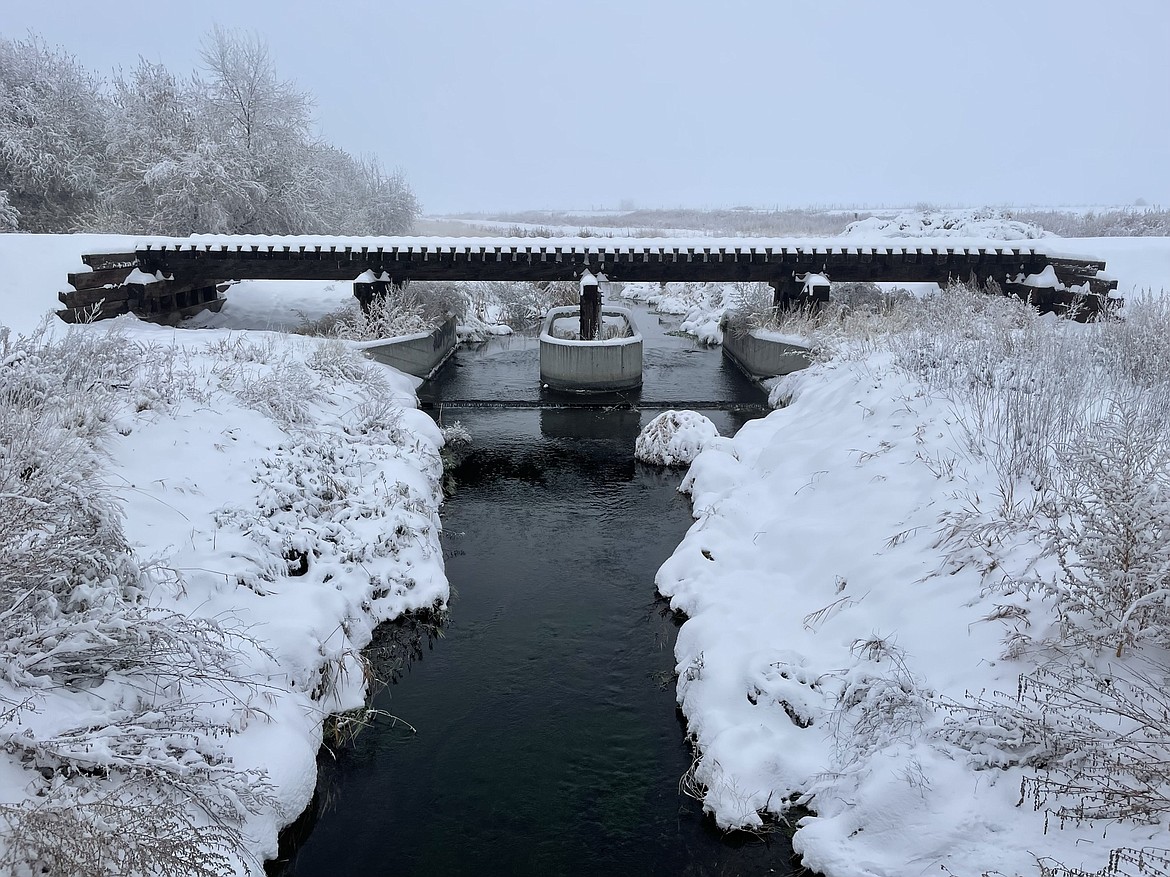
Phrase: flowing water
{"type": "Point", "coordinates": [544, 737]}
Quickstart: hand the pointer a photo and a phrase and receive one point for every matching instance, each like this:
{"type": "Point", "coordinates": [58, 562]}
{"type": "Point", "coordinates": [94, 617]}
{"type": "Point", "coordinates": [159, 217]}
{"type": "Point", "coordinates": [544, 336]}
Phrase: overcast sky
{"type": "Point", "coordinates": [702, 103]}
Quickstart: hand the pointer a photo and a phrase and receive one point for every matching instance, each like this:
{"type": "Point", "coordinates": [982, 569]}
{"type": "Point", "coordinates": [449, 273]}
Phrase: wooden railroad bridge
{"type": "Point", "coordinates": [169, 279]}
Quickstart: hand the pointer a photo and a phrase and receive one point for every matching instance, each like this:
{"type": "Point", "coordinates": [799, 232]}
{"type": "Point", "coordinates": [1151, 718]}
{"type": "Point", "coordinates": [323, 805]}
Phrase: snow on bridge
{"type": "Point", "coordinates": [168, 278]}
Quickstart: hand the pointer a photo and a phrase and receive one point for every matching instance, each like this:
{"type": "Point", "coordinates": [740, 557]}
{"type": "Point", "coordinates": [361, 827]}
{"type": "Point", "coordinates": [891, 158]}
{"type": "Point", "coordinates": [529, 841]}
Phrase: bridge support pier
{"type": "Point", "coordinates": [365, 292]}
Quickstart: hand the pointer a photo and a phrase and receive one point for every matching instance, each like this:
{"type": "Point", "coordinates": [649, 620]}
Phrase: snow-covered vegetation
{"type": "Point", "coordinates": [201, 531]}
{"type": "Point", "coordinates": [674, 438]}
{"type": "Point", "coordinates": [926, 524]}
{"type": "Point", "coordinates": [701, 305]}
{"type": "Point", "coordinates": [399, 310]}
{"type": "Point", "coordinates": [229, 149]}
{"type": "Point", "coordinates": [991, 224]}
{"type": "Point", "coordinates": [927, 600]}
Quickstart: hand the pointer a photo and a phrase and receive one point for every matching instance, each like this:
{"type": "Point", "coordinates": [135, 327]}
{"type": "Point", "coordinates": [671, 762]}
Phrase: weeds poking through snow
{"type": "Point", "coordinates": [147, 788]}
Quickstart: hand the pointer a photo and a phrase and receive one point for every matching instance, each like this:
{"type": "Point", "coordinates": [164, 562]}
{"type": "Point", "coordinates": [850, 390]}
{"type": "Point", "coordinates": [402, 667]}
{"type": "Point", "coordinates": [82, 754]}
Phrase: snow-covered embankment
{"type": "Point", "coordinates": [871, 575]}
{"type": "Point", "coordinates": [202, 530]}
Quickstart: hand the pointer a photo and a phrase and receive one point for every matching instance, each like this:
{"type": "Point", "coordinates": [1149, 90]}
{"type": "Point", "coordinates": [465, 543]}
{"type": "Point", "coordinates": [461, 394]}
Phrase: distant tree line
{"type": "Point", "coordinates": [228, 149]}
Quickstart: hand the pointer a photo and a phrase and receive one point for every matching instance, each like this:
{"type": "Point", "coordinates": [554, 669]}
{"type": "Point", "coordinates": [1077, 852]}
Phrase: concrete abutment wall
{"type": "Point", "coordinates": [419, 355]}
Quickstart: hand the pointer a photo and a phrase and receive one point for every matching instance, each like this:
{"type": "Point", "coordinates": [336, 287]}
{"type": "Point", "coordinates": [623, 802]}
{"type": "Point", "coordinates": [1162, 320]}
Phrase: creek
{"type": "Point", "coordinates": [543, 734]}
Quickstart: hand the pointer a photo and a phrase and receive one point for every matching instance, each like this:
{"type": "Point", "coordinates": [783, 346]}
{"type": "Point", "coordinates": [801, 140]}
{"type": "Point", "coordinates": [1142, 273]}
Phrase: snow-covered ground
{"type": "Point", "coordinates": [254, 505]}
{"type": "Point", "coordinates": [833, 638]}
{"type": "Point", "coordinates": [880, 622]}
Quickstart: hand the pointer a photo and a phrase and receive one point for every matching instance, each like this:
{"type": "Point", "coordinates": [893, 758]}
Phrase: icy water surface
{"type": "Point", "coordinates": [546, 738]}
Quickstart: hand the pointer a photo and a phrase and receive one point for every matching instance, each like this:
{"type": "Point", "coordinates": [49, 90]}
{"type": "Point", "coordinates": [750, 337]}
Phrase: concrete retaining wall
{"type": "Point", "coordinates": [419, 355]}
{"type": "Point", "coordinates": [590, 366]}
{"type": "Point", "coordinates": [762, 358]}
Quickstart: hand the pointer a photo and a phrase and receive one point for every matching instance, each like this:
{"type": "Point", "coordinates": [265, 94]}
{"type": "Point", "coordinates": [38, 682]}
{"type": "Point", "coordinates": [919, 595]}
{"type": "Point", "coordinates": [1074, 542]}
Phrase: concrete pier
{"type": "Point", "coordinates": [590, 366]}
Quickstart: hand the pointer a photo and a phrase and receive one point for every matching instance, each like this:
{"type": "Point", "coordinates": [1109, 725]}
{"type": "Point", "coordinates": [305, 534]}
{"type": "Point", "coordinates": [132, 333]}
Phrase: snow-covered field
{"type": "Point", "coordinates": [269, 499]}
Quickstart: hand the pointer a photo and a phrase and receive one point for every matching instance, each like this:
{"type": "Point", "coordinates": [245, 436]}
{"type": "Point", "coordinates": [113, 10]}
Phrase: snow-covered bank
{"type": "Point", "coordinates": [875, 568]}
{"type": "Point", "coordinates": [249, 506]}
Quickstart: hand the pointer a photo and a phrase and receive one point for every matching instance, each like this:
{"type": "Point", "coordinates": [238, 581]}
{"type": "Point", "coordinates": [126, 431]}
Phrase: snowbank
{"type": "Point", "coordinates": [841, 654]}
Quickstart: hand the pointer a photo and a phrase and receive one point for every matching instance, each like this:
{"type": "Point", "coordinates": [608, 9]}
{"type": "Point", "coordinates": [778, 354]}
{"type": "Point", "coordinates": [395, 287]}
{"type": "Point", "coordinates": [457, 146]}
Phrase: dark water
{"type": "Point", "coordinates": [674, 369]}
{"type": "Point", "coordinates": [547, 738]}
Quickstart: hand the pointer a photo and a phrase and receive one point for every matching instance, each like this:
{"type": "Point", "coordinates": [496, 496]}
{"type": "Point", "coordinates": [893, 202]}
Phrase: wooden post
{"type": "Point", "coordinates": [785, 292]}
{"type": "Point", "coordinates": [815, 290]}
{"type": "Point", "coordinates": [366, 292]}
{"type": "Point", "coordinates": [590, 307]}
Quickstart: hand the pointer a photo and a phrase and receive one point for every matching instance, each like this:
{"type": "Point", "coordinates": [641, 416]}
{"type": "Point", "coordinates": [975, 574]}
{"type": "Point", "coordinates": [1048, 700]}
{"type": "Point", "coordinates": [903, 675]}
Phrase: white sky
{"type": "Point", "coordinates": [574, 104]}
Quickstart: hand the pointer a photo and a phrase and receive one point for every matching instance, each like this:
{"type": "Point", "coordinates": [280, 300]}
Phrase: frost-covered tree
{"type": "Point", "coordinates": [51, 127]}
{"type": "Point", "coordinates": [260, 108]}
{"type": "Point", "coordinates": [227, 150]}
{"type": "Point", "coordinates": [387, 205]}
{"type": "Point", "coordinates": [9, 215]}
{"type": "Point", "coordinates": [165, 174]}
{"type": "Point", "coordinates": [261, 126]}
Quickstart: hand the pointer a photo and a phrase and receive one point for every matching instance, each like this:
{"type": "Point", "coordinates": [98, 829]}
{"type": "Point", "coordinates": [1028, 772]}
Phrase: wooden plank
{"type": "Point", "coordinates": [1096, 285]}
{"type": "Point", "coordinates": [85, 315]}
{"type": "Point", "coordinates": [89, 297]}
{"type": "Point", "coordinates": [102, 261]}
{"type": "Point", "coordinates": [100, 277]}
{"type": "Point", "coordinates": [1077, 266]}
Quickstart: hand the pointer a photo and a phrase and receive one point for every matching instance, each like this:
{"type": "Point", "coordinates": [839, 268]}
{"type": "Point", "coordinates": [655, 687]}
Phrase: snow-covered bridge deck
{"type": "Point", "coordinates": [167, 277]}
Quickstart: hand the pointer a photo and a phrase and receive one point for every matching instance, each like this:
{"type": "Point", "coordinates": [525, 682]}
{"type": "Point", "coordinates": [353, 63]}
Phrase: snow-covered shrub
{"type": "Point", "coordinates": [1123, 222]}
{"type": "Point", "coordinates": [402, 310]}
{"type": "Point", "coordinates": [57, 400]}
{"type": "Point", "coordinates": [282, 391]}
{"type": "Point", "coordinates": [865, 296]}
{"type": "Point", "coordinates": [524, 304]}
{"type": "Point", "coordinates": [388, 316]}
{"type": "Point", "coordinates": [332, 358]}
{"type": "Point", "coordinates": [751, 308]}
{"type": "Point", "coordinates": [1095, 737]}
{"type": "Point", "coordinates": [674, 438]}
{"type": "Point", "coordinates": [880, 702]}
{"type": "Point", "coordinates": [457, 443]}
{"type": "Point", "coordinates": [125, 830]}
{"type": "Point", "coordinates": [1018, 380]}
{"type": "Point", "coordinates": [1137, 347]}
{"type": "Point", "coordinates": [1125, 862]}
{"type": "Point", "coordinates": [1110, 526]}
